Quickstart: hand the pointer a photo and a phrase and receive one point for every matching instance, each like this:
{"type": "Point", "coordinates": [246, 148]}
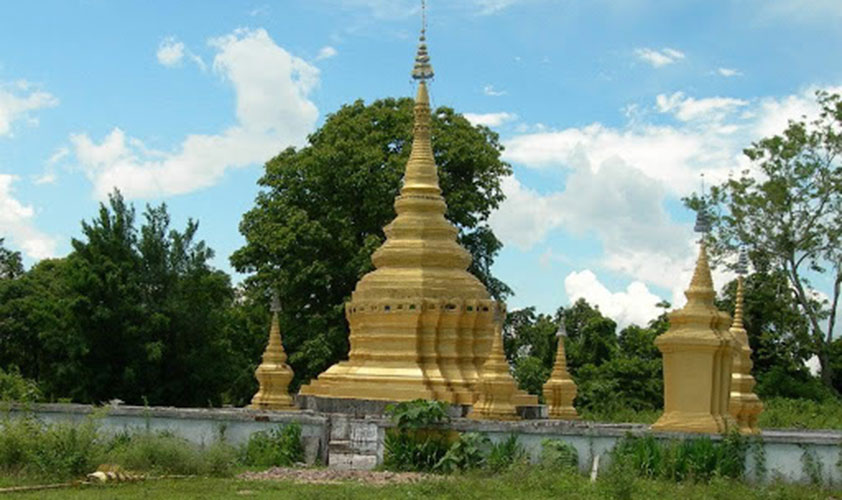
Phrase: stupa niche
{"type": "Point", "coordinates": [421, 324]}
{"type": "Point", "coordinates": [273, 373]}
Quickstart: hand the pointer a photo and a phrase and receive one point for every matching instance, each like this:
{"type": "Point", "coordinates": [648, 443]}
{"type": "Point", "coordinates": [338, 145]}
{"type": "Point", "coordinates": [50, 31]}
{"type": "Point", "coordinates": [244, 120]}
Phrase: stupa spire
{"type": "Point", "coordinates": [421, 325]}
{"type": "Point", "coordinates": [744, 405]}
{"type": "Point", "coordinates": [273, 373]}
{"type": "Point", "coordinates": [560, 389]}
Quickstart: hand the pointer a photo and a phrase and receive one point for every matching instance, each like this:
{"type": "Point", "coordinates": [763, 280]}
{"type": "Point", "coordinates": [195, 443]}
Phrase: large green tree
{"type": "Point", "coordinates": [787, 209]}
{"type": "Point", "coordinates": [322, 209]}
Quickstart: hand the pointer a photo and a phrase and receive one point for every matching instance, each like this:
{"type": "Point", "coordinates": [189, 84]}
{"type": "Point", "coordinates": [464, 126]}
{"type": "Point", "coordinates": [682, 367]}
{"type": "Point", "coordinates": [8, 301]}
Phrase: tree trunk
{"type": "Point", "coordinates": [827, 369]}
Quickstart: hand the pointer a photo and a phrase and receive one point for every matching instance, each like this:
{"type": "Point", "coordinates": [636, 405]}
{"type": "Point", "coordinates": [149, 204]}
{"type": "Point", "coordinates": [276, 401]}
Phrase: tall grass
{"type": "Point", "coordinates": [32, 448]}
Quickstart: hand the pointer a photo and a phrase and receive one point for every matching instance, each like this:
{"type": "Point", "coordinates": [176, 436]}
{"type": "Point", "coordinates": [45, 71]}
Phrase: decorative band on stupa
{"type": "Point", "coordinates": [274, 374]}
{"type": "Point", "coordinates": [745, 406]}
{"type": "Point", "coordinates": [421, 324]}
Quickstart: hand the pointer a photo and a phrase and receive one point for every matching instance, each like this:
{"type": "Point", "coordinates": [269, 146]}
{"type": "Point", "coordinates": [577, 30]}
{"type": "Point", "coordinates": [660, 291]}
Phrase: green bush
{"type": "Point", "coordinates": [280, 446]}
{"type": "Point", "coordinates": [780, 382]}
{"type": "Point", "coordinates": [559, 454]}
{"type": "Point", "coordinates": [466, 453]}
{"type": "Point", "coordinates": [411, 445]}
{"type": "Point", "coordinates": [417, 414]}
{"type": "Point", "coordinates": [506, 454]}
{"type": "Point", "coordinates": [61, 450]}
{"type": "Point", "coordinates": [14, 387]}
{"type": "Point", "coordinates": [697, 459]}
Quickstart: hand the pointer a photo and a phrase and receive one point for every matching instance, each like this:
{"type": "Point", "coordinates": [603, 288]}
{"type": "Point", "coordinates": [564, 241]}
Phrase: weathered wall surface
{"type": "Point", "coordinates": [348, 441]}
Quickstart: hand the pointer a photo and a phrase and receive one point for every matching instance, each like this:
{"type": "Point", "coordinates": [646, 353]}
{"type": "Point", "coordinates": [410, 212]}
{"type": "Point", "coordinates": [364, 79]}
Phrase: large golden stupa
{"type": "Point", "coordinates": [421, 324]}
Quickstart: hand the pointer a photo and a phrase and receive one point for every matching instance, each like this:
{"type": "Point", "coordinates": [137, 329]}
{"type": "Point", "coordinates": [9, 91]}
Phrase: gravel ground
{"type": "Point", "coordinates": [323, 476]}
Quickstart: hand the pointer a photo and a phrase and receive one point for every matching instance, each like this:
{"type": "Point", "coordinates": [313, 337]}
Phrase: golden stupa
{"type": "Point", "coordinates": [560, 390]}
{"type": "Point", "coordinates": [697, 351]}
{"type": "Point", "coordinates": [273, 373]}
{"type": "Point", "coordinates": [497, 393]}
{"type": "Point", "coordinates": [421, 324]}
{"type": "Point", "coordinates": [745, 406]}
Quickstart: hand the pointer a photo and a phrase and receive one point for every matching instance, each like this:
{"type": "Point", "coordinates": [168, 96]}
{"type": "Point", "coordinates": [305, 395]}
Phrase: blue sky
{"type": "Point", "coordinates": [609, 111]}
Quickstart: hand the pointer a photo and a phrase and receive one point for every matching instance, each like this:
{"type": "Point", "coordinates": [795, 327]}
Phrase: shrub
{"type": "Point", "coordinates": [505, 454]}
{"type": "Point", "coordinates": [14, 387]}
{"type": "Point", "coordinates": [697, 459]}
{"type": "Point", "coordinates": [466, 453]}
{"type": "Point", "coordinates": [280, 446]}
{"type": "Point", "coordinates": [411, 445]}
{"type": "Point", "coordinates": [559, 454]}
{"type": "Point", "coordinates": [60, 450]}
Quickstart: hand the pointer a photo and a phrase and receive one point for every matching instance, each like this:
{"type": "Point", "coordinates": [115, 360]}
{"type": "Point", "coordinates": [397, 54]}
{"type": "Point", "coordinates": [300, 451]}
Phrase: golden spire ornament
{"type": "Point", "coordinates": [273, 373]}
{"type": "Point", "coordinates": [421, 324]}
{"type": "Point", "coordinates": [745, 406]}
{"type": "Point", "coordinates": [560, 390]}
{"type": "Point", "coordinates": [697, 351]}
{"type": "Point", "coordinates": [497, 393]}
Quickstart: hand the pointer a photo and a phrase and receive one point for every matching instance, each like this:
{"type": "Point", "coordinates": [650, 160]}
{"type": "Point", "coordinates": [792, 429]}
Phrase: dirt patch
{"type": "Point", "coordinates": [323, 476]}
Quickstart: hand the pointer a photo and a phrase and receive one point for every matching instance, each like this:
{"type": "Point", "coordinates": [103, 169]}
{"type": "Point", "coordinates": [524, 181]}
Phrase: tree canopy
{"type": "Point", "coordinates": [787, 210]}
{"type": "Point", "coordinates": [323, 207]}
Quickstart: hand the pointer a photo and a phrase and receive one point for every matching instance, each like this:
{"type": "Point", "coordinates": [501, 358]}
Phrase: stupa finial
{"type": "Point", "coordinates": [422, 70]}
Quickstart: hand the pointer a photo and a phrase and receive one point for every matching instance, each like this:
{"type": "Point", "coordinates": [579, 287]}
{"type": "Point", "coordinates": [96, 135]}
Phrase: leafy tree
{"type": "Point", "coordinates": [786, 210]}
{"type": "Point", "coordinates": [322, 210]}
{"type": "Point", "coordinates": [147, 314]}
{"type": "Point", "coordinates": [11, 265]}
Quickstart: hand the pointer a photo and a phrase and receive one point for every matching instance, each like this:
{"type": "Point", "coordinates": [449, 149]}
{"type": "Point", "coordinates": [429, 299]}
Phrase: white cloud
{"type": "Point", "coordinates": [326, 52]}
{"type": "Point", "coordinates": [635, 305]}
{"type": "Point", "coordinates": [487, 7]}
{"type": "Point", "coordinates": [659, 58]}
{"type": "Point", "coordinates": [728, 72]}
{"type": "Point", "coordinates": [688, 108]}
{"type": "Point", "coordinates": [16, 223]}
{"type": "Point", "coordinates": [17, 100]}
{"type": "Point", "coordinates": [171, 52]}
{"type": "Point", "coordinates": [618, 180]}
{"type": "Point", "coordinates": [273, 111]}
{"type": "Point", "coordinates": [490, 119]}
{"type": "Point", "coordinates": [489, 90]}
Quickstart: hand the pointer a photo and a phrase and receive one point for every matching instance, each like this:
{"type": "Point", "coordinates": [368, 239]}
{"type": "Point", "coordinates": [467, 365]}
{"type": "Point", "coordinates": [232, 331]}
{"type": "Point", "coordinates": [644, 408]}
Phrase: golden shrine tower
{"type": "Point", "coordinates": [697, 351]}
{"type": "Point", "coordinates": [560, 389]}
{"type": "Point", "coordinates": [421, 324]}
{"type": "Point", "coordinates": [745, 406]}
{"type": "Point", "coordinates": [274, 374]}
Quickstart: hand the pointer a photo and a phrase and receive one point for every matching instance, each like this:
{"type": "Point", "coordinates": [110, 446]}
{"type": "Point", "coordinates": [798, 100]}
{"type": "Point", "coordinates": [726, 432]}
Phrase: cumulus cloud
{"type": "Point", "coordinates": [635, 305]}
{"type": "Point", "coordinates": [326, 52]}
{"type": "Point", "coordinates": [273, 111]}
{"type": "Point", "coordinates": [18, 100]}
{"type": "Point", "coordinates": [659, 58]}
{"type": "Point", "coordinates": [687, 108]}
{"type": "Point", "coordinates": [16, 223]}
{"type": "Point", "coordinates": [490, 119]}
{"type": "Point", "coordinates": [618, 180]}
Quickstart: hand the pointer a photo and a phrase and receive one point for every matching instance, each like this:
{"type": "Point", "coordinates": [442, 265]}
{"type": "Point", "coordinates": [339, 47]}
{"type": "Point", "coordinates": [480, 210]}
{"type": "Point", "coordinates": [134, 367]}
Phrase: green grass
{"type": "Point", "coordinates": [526, 483]}
{"type": "Point", "coordinates": [778, 413]}
{"type": "Point", "coordinates": [785, 413]}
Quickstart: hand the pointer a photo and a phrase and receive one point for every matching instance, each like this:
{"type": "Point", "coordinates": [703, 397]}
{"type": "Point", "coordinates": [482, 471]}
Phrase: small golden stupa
{"type": "Point", "coordinates": [274, 374]}
{"type": "Point", "coordinates": [421, 324]}
{"type": "Point", "coordinates": [745, 406]}
{"type": "Point", "coordinates": [497, 393]}
{"type": "Point", "coordinates": [560, 390]}
{"type": "Point", "coordinates": [697, 351]}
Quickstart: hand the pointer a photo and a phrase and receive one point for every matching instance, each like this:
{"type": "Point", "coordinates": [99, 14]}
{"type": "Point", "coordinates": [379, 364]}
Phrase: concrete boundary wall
{"type": "Point", "coordinates": [348, 441]}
